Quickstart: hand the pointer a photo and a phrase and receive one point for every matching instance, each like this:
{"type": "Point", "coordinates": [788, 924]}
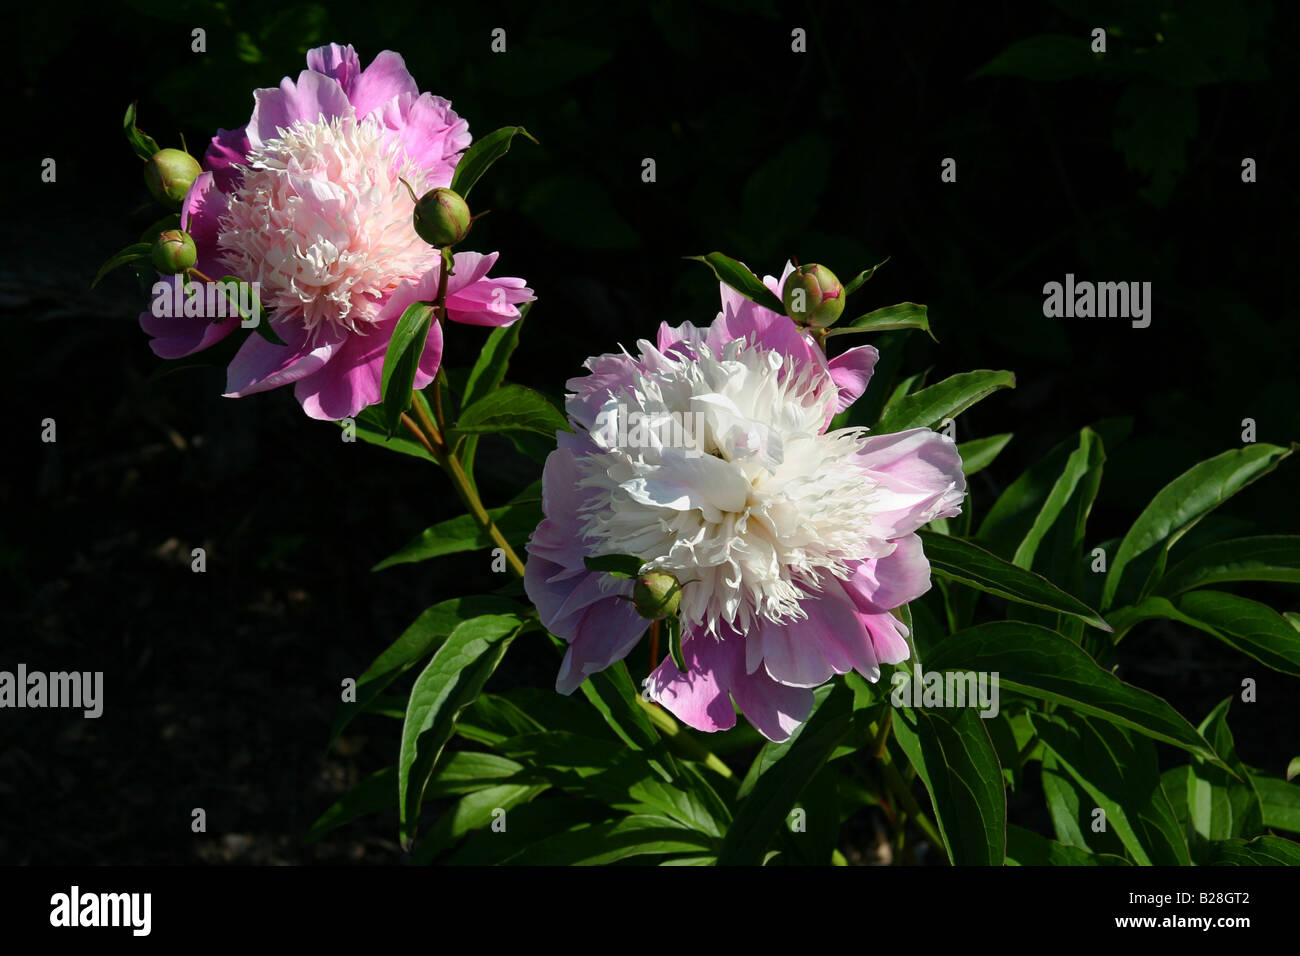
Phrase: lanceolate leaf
{"type": "Point", "coordinates": [1187, 499]}
{"type": "Point", "coordinates": [402, 360]}
{"type": "Point", "coordinates": [1081, 475]}
{"type": "Point", "coordinates": [141, 143]}
{"type": "Point", "coordinates": [511, 408]}
{"type": "Point", "coordinates": [955, 759]}
{"type": "Point", "coordinates": [904, 315]}
{"type": "Point", "coordinates": [482, 154]}
{"type": "Point", "coordinates": [463, 533]}
{"type": "Point", "coordinates": [1032, 660]}
{"type": "Point", "coordinates": [453, 678]}
{"type": "Point", "coordinates": [735, 274]}
{"type": "Point", "coordinates": [1266, 558]}
{"type": "Point", "coordinates": [946, 399]}
{"type": "Point", "coordinates": [133, 253]}
{"type": "Point", "coordinates": [978, 453]}
{"type": "Point", "coordinates": [490, 369]}
{"type": "Point", "coordinates": [970, 564]}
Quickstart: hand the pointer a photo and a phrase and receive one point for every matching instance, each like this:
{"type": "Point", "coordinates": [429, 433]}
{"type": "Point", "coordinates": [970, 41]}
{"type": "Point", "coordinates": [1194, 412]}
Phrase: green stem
{"type": "Point", "coordinates": [688, 745]}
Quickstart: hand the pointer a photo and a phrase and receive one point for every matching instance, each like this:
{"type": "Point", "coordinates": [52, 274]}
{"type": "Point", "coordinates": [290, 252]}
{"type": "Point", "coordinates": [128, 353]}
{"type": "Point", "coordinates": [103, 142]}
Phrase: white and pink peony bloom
{"type": "Point", "coordinates": [793, 543]}
{"type": "Point", "coordinates": [307, 201]}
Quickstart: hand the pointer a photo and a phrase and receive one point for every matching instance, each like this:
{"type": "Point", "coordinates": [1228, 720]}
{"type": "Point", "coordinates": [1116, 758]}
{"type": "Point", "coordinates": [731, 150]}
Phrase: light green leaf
{"type": "Point", "coordinates": [946, 399]}
{"type": "Point", "coordinates": [511, 408]}
{"type": "Point", "coordinates": [904, 315]}
{"type": "Point", "coordinates": [978, 453]}
{"type": "Point", "coordinates": [481, 155]}
{"type": "Point", "coordinates": [734, 274]}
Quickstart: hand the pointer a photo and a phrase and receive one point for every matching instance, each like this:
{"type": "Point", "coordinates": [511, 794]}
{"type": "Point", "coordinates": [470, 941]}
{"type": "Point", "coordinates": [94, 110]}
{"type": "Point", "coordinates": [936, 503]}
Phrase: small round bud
{"type": "Point", "coordinates": [813, 296]}
{"type": "Point", "coordinates": [656, 595]}
{"type": "Point", "coordinates": [168, 174]}
{"type": "Point", "coordinates": [174, 252]}
{"type": "Point", "coordinates": [441, 218]}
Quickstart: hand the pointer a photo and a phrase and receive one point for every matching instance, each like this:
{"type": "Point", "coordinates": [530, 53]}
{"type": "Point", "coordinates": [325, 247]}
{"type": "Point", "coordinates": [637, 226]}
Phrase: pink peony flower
{"type": "Point", "coordinates": [792, 542]}
{"type": "Point", "coordinates": [306, 201]}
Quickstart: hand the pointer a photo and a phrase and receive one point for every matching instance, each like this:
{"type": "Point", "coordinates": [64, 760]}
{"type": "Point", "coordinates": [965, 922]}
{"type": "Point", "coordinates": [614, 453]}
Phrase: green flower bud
{"type": "Point", "coordinates": [441, 218]}
{"type": "Point", "coordinates": [174, 252]}
{"type": "Point", "coordinates": [656, 595]}
{"type": "Point", "coordinates": [813, 296]}
{"type": "Point", "coordinates": [168, 174]}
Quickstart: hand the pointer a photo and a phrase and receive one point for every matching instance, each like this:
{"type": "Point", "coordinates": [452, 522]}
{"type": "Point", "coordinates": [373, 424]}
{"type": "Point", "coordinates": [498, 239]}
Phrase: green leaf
{"type": "Point", "coordinates": [1120, 774]}
{"type": "Point", "coordinates": [1250, 627]}
{"type": "Point", "coordinates": [978, 453]}
{"type": "Point", "coordinates": [462, 533]}
{"type": "Point", "coordinates": [476, 811]}
{"type": "Point", "coordinates": [970, 564]}
{"type": "Point", "coordinates": [142, 143]}
{"type": "Point", "coordinates": [955, 759]}
{"type": "Point", "coordinates": [482, 154]}
{"type": "Point", "coordinates": [639, 834]}
{"type": "Point", "coordinates": [1187, 499]}
{"type": "Point", "coordinates": [256, 313]}
{"type": "Point", "coordinates": [512, 408]}
{"type": "Point", "coordinates": [1082, 467]}
{"type": "Point", "coordinates": [454, 677]}
{"type": "Point", "coordinates": [1280, 802]}
{"type": "Point", "coordinates": [904, 315]}
{"type": "Point", "coordinates": [1265, 558]}
{"type": "Point", "coordinates": [489, 369]}
{"type": "Point", "coordinates": [1032, 660]}
{"type": "Point", "coordinates": [372, 795]}
{"type": "Point", "coordinates": [132, 253]}
{"type": "Point", "coordinates": [370, 428]}
{"type": "Point", "coordinates": [734, 274]}
{"type": "Point", "coordinates": [856, 283]}
{"type": "Point", "coordinates": [1045, 58]}
{"type": "Point", "coordinates": [765, 808]}
{"type": "Point", "coordinates": [1027, 848]}
{"type": "Point", "coordinates": [402, 360]}
{"type": "Point", "coordinates": [1261, 851]}
{"type": "Point", "coordinates": [434, 624]}
{"type": "Point", "coordinates": [945, 399]}
{"type": "Point", "coordinates": [1222, 803]}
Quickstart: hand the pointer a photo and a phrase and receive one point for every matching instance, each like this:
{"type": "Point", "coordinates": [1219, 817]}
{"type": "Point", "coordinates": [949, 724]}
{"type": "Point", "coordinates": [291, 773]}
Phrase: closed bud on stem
{"type": "Point", "coordinates": [442, 218]}
{"type": "Point", "coordinates": [813, 296]}
{"type": "Point", "coordinates": [656, 595]}
{"type": "Point", "coordinates": [174, 252]}
{"type": "Point", "coordinates": [168, 174]}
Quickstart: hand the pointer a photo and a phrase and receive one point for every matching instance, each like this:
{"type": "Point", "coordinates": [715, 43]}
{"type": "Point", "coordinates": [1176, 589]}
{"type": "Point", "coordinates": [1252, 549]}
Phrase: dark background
{"type": "Point", "coordinates": [220, 687]}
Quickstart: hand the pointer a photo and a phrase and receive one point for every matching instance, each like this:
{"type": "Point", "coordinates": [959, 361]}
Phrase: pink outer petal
{"type": "Point", "coordinates": [201, 213]}
{"type": "Point", "coordinates": [774, 709]}
{"type": "Point", "coordinates": [340, 63]}
{"type": "Point", "coordinates": [351, 379]}
{"type": "Point", "coordinates": [887, 637]}
{"type": "Point", "coordinates": [474, 298]}
{"type": "Point", "coordinates": [259, 365]}
{"type": "Point", "coordinates": [313, 97]}
{"type": "Point", "coordinates": [881, 584]}
{"type": "Point", "coordinates": [851, 371]}
{"type": "Point", "coordinates": [609, 375]}
{"type": "Point", "coordinates": [429, 131]}
{"type": "Point", "coordinates": [225, 157]}
{"type": "Point", "coordinates": [699, 696]}
{"type": "Point", "coordinates": [178, 336]}
{"type": "Point", "coordinates": [920, 478]}
{"type": "Point", "coordinates": [384, 79]}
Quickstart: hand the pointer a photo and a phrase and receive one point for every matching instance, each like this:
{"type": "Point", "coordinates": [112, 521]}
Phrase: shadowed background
{"type": "Point", "coordinates": [219, 688]}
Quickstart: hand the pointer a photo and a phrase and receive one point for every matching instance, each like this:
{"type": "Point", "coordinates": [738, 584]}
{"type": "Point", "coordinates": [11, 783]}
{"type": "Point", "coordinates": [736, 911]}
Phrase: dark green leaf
{"type": "Point", "coordinates": [1266, 558]}
{"type": "Point", "coordinates": [734, 274]}
{"type": "Point", "coordinates": [482, 154]}
{"type": "Point", "coordinates": [454, 677]}
{"type": "Point", "coordinates": [1187, 499]}
{"type": "Point", "coordinates": [1045, 58]}
{"type": "Point", "coordinates": [141, 143]}
{"type": "Point", "coordinates": [1261, 851]}
{"type": "Point", "coordinates": [946, 399]}
{"type": "Point", "coordinates": [133, 253]}
{"type": "Point", "coordinates": [856, 283]}
{"type": "Point", "coordinates": [512, 408]}
{"type": "Point", "coordinates": [462, 533]}
{"type": "Point", "coordinates": [978, 453]}
{"type": "Point", "coordinates": [1026, 848]}
{"type": "Point", "coordinates": [1032, 660]}
{"type": "Point", "coordinates": [402, 360]}
{"type": "Point", "coordinates": [489, 370]}
{"type": "Point", "coordinates": [972, 565]}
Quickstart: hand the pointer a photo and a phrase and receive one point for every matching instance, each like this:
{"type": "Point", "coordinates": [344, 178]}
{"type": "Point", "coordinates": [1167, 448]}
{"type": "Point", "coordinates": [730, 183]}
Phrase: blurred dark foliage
{"type": "Point", "coordinates": [220, 687]}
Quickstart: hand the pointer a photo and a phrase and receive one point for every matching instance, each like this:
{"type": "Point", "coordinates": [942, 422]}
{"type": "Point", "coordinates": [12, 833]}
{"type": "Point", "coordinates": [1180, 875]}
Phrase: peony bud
{"type": "Point", "coordinates": [441, 218]}
{"type": "Point", "coordinates": [174, 252]}
{"type": "Point", "coordinates": [168, 174]}
{"type": "Point", "coordinates": [813, 296]}
{"type": "Point", "coordinates": [656, 595]}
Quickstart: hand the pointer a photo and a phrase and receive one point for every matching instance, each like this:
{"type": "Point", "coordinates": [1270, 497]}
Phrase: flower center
{"type": "Point", "coordinates": [322, 221]}
{"type": "Point", "coordinates": [715, 469]}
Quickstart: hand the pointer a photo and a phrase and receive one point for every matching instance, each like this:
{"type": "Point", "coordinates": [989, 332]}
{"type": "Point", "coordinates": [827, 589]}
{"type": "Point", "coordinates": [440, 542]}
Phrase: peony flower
{"type": "Point", "coordinates": [792, 542]}
{"type": "Point", "coordinates": [307, 201]}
